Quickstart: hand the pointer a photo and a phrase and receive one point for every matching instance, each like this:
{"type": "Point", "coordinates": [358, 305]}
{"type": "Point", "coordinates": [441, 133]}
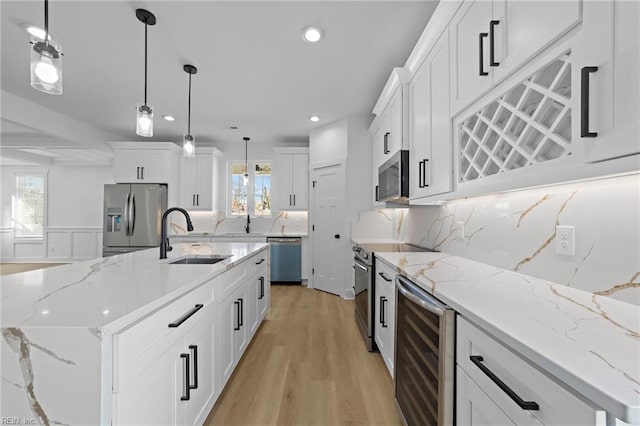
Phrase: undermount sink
{"type": "Point", "coordinates": [203, 260]}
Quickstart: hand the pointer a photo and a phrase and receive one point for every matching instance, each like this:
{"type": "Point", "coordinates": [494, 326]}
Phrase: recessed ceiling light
{"type": "Point", "coordinates": [312, 34]}
{"type": "Point", "coordinates": [169, 117]}
{"type": "Point", "coordinates": [314, 118]}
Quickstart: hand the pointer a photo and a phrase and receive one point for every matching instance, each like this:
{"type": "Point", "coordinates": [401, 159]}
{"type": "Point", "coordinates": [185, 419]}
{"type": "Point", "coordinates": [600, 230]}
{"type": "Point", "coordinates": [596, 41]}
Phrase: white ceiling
{"type": "Point", "coordinates": [254, 69]}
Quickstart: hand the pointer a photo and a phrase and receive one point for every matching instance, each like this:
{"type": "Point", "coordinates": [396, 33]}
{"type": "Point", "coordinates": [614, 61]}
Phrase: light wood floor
{"type": "Point", "coordinates": [307, 365]}
{"type": "Point", "coordinates": [14, 268]}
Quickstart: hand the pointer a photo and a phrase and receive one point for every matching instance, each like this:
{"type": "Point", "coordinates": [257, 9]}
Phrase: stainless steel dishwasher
{"type": "Point", "coordinates": [286, 259]}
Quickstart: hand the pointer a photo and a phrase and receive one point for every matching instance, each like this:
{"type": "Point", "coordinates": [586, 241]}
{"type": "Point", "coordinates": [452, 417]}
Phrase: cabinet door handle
{"type": "Point", "coordinates": [425, 163]}
{"type": "Point", "coordinates": [492, 44]}
{"type": "Point", "coordinates": [259, 261]}
{"type": "Point", "coordinates": [237, 304]}
{"type": "Point", "coordinates": [177, 323]}
{"type": "Point", "coordinates": [420, 174]}
{"type": "Point", "coordinates": [194, 354]}
{"type": "Point", "coordinates": [383, 312]}
{"type": "Point", "coordinates": [142, 172]}
{"type": "Point", "coordinates": [380, 315]}
{"type": "Point", "coordinates": [294, 200]}
{"type": "Point", "coordinates": [241, 323]}
{"type": "Point", "coordinates": [193, 199]}
{"type": "Point", "coordinates": [186, 395]}
{"type": "Point", "coordinates": [584, 102]}
{"type": "Point", "coordinates": [386, 143]}
{"type": "Point", "coordinates": [261, 293]}
{"type": "Point", "coordinates": [377, 192]}
{"type": "Point", "coordinates": [384, 277]}
{"type": "Point", "coordinates": [525, 405]}
{"type": "Point", "coordinates": [138, 172]}
{"type": "Point", "coordinates": [481, 70]}
{"type": "Point", "coordinates": [197, 199]}
{"type": "Point", "coordinates": [290, 200]}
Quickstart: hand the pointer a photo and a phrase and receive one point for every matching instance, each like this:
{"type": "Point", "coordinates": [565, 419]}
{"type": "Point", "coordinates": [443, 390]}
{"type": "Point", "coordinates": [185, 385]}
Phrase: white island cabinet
{"type": "Point", "coordinates": [136, 339]}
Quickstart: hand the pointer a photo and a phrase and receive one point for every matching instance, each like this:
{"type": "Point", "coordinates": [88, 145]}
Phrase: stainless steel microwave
{"type": "Point", "coordinates": [393, 179]}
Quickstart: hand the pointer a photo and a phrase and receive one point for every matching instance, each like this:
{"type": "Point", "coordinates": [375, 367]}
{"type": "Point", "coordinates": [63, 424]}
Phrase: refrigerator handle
{"type": "Point", "coordinates": [132, 212]}
{"type": "Point", "coordinates": [126, 214]}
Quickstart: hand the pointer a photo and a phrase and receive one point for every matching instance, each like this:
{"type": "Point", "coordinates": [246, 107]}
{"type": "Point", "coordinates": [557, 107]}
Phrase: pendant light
{"type": "Point", "coordinates": [246, 161]}
{"type": "Point", "coordinates": [46, 61]}
{"type": "Point", "coordinates": [144, 112]}
{"type": "Point", "coordinates": [189, 141]}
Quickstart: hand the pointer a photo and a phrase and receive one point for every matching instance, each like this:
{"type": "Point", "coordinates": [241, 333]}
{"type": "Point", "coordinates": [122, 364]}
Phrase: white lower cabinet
{"type": "Point", "coordinates": [497, 386]}
{"type": "Point", "coordinates": [384, 311]}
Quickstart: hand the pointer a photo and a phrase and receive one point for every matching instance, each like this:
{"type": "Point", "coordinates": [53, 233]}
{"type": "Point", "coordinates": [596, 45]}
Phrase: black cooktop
{"type": "Point", "coordinates": [392, 248]}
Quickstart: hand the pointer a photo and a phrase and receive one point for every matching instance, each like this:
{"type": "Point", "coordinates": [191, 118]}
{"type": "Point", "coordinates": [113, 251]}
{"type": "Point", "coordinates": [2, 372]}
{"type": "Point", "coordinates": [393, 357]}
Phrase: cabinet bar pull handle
{"type": "Point", "coordinates": [142, 172]}
{"type": "Point", "coordinates": [294, 200]}
{"type": "Point", "coordinates": [259, 262]}
{"type": "Point", "coordinates": [525, 405]}
{"type": "Point", "coordinates": [386, 143]}
{"type": "Point", "coordinates": [383, 311]}
{"type": "Point", "coordinates": [138, 172]}
{"type": "Point", "coordinates": [237, 327]}
{"type": "Point", "coordinates": [261, 279]}
{"type": "Point", "coordinates": [425, 163]}
{"type": "Point", "coordinates": [492, 44]}
{"type": "Point", "coordinates": [584, 102]}
{"type": "Point", "coordinates": [377, 192]}
{"type": "Point", "coordinates": [481, 70]}
{"type": "Point", "coordinates": [380, 314]}
{"type": "Point", "coordinates": [185, 369]}
{"type": "Point", "coordinates": [198, 199]}
{"type": "Point", "coordinates": [290, 200]}
{"type": "Point", "coordinates": [241, 323]}
{"type": "Point", "coordinates": [194, 354]}
{"type": "Point", "coordinates": [420, 165]}
{"type": "Point", "coordinates": [193, 199]}
{"type": "Point", "coordinates": [384, 277]}
{"type": "Point", "coordinates": [179, 321]}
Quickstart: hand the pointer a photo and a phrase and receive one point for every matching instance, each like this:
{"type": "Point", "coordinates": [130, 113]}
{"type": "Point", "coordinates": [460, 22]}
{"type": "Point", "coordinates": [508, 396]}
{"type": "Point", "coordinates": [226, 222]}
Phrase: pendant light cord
{"type": "Point", "coordinates": [46, 22]}
{"type": "Point", "coordinates": [189, 113]}
{"type": "Point", "coordinates": [145, 63]}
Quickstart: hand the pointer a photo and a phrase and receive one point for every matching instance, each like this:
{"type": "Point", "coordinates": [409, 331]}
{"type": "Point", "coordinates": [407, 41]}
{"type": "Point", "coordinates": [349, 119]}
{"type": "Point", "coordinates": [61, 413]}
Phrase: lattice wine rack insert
{"type": "Point", "coordinates": [527, 125]}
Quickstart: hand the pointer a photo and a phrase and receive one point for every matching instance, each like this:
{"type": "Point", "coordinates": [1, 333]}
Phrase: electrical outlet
{"type": "Point", "coordinates": [566, 240]}
{"type": "Point", "coordinates": [460, 230]}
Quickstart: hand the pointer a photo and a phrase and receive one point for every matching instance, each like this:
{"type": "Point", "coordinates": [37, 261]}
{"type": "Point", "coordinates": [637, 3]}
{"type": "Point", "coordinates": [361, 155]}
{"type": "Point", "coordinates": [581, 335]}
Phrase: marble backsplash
{"type": "Point", "coordinates": [516, 231]}
{"type": "Point", "coordinates": [216, 222]}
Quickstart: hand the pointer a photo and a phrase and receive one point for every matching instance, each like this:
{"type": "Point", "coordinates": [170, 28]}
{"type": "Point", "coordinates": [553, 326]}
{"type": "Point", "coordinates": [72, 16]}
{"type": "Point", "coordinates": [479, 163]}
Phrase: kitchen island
{"type": "Point", "coordinates": [77, 339]}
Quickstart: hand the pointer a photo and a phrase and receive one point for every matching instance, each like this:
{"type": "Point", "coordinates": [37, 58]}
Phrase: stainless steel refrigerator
{"type": "Point", "coordinates": [132, 217]}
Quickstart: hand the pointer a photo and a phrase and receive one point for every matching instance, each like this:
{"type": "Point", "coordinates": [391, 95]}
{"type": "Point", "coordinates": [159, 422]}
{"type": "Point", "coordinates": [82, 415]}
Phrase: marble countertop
{"type": "Point", "coordinates": [376, 241]}
{"type": "Point", "coordinates": [589, 342]}
{"type": "Point", "coordinates": [242, 235]}
{"type": "Point", "coordinates": [107, 293]}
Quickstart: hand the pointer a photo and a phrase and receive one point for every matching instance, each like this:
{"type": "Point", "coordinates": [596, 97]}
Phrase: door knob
{"type": "Point", "coordinates": [336, 236]}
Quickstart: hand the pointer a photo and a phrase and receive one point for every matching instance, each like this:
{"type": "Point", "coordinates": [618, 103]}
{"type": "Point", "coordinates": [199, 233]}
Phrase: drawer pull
{"type": "Point", "coordinates": [525, 405]}
{"type": "Point", "coordinates": [186, 316]}
{"type": "Point", "coordinates": [260, 261]}
{"type": "Point", "coordinates": [384, 277]}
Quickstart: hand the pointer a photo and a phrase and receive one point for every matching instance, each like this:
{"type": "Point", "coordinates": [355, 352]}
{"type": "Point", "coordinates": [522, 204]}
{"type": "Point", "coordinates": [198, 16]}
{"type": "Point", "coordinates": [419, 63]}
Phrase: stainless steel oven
{"type": "Point", "coordinates": [424, 359]}
{"type": "Point", "coordinates": [363, 290]}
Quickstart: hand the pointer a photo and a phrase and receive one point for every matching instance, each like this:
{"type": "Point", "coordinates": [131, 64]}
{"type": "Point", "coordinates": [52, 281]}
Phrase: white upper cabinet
{"type": "Point", "coordinates": [430, 171]}
{"type": "Point", "coordinates": [292, 178]}
{"type": "Point", "coordinates": [376, 153]}
{"type": "Point", "coordinates": [494, 38]}
{"type": "Point", "coordinates": [610, 80]}
{"type": "Point", "coordinates": [391, 110]}
{"type": "Point", "coordinates": [196, 181]}
{"type": "Point", "coordinates": [142, 165]}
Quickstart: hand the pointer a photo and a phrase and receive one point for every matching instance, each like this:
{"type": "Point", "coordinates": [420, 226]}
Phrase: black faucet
{"type": "Point", "coordinates": [246, 228]}
{"type": "Point", "coordinates": [164, 241]}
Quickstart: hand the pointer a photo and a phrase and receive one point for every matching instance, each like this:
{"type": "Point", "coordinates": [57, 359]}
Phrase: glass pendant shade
{"type": "Point", "coordinates": [46, 67]}
{"type": "Point", "coordinates": [144, 120]}
{"type": "Point", "coordinates": [188, 146]}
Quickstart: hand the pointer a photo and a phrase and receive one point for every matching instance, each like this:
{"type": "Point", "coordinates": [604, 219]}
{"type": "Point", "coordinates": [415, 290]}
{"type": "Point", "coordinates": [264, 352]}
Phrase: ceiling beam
{"type": "Point", "coordinates": [54, 124]}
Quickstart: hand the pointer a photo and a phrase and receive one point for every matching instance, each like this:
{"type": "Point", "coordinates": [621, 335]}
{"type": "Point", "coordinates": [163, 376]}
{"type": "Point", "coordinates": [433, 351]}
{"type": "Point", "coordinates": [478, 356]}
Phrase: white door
{"type": "Point", "coordinates": [328, 222]}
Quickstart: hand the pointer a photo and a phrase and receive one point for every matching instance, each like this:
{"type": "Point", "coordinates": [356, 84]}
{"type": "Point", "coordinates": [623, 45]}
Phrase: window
{"type": "Point", "coordinates": [250, 194]}
{"type": "Point", "coordinates": [28, 215]}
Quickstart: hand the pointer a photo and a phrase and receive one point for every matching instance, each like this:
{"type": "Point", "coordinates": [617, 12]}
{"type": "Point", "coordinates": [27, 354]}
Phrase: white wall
{"type": "Point", "coordinates": [516, 231]}
{"type": "Point", "coordinates": [73, 214]}
{"type": "Point", "coordinates": [329, 142]}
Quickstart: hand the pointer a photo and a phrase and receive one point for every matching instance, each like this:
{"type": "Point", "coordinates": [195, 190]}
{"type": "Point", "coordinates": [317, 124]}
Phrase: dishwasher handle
{"type": "Point", "coordinates": [285, 240]}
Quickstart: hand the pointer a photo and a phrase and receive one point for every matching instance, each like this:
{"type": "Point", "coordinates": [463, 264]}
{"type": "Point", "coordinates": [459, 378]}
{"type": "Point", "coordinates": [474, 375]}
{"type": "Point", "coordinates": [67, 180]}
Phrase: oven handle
{"type": "Point", "coordinates": [359, 265]}
{"type": "Point", "coordinates": [419, 296]}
